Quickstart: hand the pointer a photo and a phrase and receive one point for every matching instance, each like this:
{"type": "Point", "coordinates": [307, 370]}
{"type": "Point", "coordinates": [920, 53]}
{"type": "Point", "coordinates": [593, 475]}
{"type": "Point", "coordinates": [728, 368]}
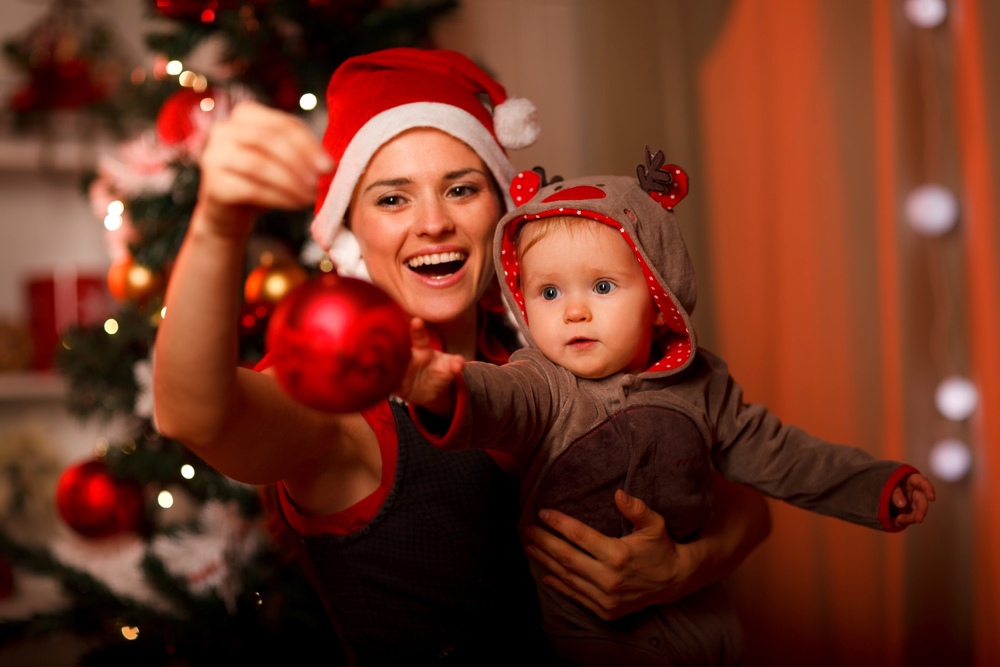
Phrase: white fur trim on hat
{"type": "Point", "coordinates": [327, 227]}
{"type": "Point", "coordinates": [515, 123]}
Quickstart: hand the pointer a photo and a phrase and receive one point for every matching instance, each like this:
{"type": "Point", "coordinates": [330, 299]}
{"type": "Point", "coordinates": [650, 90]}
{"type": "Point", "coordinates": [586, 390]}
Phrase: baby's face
{"type": "Point", "coordinates": [588, 306]}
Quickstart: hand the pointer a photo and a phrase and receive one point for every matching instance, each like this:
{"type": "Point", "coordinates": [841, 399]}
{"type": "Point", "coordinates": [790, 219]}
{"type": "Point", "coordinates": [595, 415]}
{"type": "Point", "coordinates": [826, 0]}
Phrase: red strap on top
{"type": "Point", "coordinates": [355, 517]}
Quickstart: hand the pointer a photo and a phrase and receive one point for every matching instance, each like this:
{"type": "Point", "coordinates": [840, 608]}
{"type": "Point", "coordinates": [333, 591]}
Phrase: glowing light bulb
{"type": "Point", "coordinates": [187, 78]}
{"type": "Point", "coordinates": [187, 471]}
{"type": "Point", "coordinates": [931, 210]}
{"type": "Point", "coordinates": [200, 84]}
{"type": "Point", "coordinates": [130, 632]}
{"type": "Point", "coordinates": [950, 460]}
{"type": "Point", "coordinates": [112, 222]}
{"type": "Point", "coordinates": [165, 499]}
{"type": "Point", "coordinates": [956, 398]}
{"type": "Point", "coordinates": [308, 102]}
{"type": "Point", "coordinates": [175, 67]}
{"type": "Point", "coordinates": [111, 326]}
{"type": "Point", "coordinates": [207, 104]}
{"type": "Point", "coordinates": [163, 312]}
{"type": "Point", "coordinates": [926, 13]}
{"type": "Point", "coordinates": [116, 208]}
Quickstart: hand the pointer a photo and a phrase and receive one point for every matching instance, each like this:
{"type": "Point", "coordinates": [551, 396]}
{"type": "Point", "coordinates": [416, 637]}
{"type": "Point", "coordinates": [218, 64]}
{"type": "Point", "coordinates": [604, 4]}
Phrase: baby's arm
{"type": "Point", "coordinates": [911, 497]}
{"type": "Point", "coordinates": [430, 378]}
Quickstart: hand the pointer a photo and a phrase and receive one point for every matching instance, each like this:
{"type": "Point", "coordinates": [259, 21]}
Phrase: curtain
{"type": "Point", "coordinates": [817, 118]}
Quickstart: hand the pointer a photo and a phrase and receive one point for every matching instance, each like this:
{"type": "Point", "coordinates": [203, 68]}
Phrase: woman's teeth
{"type": "Point", "coordinates": [436, 258]}
{"type": "Point", "coordinates": [437, 264]}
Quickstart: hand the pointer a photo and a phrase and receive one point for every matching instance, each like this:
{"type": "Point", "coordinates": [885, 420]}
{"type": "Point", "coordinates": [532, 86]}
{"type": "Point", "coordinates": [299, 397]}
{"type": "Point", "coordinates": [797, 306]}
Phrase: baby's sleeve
{"type": "Point", "coordinates": [753, 447]}
{"type": "Point", "coordinates": [507, 408]}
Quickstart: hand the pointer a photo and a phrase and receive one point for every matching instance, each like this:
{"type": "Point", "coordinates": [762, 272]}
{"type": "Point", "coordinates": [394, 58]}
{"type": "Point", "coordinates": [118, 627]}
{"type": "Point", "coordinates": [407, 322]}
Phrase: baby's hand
{"type": "Point", "coordinates": [911, 498]}
{"type": "Point", "coordinates": [430, 378]}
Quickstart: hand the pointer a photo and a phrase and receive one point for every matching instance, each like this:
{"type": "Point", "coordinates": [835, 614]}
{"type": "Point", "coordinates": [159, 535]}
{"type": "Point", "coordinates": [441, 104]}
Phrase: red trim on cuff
{"type": "Point", "coordinates": [457, 418]}
{"type": "Point", "coordinates": [886, 497]}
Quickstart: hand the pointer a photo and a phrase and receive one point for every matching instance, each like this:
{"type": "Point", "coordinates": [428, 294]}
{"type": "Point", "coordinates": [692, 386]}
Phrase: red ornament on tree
{"type": "Point", "coordinates": [173, 122]}
{"type": "Point", "coordinates": [95, 504]}
{"type": "Point", "coordinates": [339, 344]}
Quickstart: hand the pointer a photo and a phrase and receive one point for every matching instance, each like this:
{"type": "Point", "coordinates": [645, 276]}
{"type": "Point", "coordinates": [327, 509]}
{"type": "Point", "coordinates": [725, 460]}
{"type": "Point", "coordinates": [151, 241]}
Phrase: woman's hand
{"type": "Point", "coordinates": [613, 577]}
{"type": "Point", "coordinates": [256, 159]}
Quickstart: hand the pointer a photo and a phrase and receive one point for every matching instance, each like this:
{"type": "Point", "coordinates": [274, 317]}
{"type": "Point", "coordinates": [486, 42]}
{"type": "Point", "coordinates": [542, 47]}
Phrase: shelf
{"type": "Point", "coordinates": [28, 386]}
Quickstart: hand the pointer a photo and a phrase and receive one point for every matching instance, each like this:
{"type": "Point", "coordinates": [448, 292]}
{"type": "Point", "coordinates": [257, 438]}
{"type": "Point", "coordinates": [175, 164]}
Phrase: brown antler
{"type": "Point", "coordinates": [651, 179]}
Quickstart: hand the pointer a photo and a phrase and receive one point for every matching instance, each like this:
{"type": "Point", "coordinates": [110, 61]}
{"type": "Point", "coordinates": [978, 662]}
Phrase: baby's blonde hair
{"type": "Point", "coordinates": [530, 233]}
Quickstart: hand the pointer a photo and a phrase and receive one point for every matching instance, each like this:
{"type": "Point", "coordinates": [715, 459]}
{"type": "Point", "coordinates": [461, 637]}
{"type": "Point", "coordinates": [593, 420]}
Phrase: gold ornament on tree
{"type": "Point", "coordinates": [272, 279]}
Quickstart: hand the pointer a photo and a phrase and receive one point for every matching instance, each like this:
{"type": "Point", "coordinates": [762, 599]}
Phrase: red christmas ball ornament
{"type": "Point", "coordinates": [95, 504]}
{"type": "Point", "coordinates": [339, 344]}
{"type": "Point", "coordinates": [173, 122]}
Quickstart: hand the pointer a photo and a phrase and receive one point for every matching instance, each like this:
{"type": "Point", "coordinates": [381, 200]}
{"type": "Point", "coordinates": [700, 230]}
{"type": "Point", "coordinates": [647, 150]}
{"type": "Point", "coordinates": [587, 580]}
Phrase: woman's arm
{"type": "Point", "coordinates": [237, 420]}
{"type": "Point", "coordinates": [613, 577]}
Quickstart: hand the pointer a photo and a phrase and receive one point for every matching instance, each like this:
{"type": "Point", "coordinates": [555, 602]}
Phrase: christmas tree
{"type": "Point", "coordinates": [165, 560]}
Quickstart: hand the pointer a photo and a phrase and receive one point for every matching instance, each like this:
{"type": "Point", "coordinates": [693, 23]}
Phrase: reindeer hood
{"type": "Point", "coordinates": [642, 210]}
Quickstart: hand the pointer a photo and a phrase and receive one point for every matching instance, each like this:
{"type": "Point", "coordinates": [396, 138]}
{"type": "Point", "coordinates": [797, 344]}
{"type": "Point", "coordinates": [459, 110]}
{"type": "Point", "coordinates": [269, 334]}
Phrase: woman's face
{"type": "Point", "coordinates": [424, 213]}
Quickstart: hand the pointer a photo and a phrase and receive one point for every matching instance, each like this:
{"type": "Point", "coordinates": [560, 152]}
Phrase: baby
{"type": "Point", "coordinates": [613, 393]}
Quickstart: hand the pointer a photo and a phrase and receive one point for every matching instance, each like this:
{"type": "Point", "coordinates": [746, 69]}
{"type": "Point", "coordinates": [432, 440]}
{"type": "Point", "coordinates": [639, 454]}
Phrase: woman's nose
{"type": "Point", "coordinates": [433, 219]}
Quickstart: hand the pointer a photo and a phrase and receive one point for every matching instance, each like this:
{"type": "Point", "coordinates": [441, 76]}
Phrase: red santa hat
{"type": "Point", "coordinates": [373, 98]}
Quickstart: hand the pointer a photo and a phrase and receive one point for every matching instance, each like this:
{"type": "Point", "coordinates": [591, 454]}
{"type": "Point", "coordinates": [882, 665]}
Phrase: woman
{"type": "Point", "coordinates": [413, 550]}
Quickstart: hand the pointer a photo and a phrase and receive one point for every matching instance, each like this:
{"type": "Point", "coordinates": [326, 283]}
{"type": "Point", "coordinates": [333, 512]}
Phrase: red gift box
{"type": "Point", "coordinates": [60, 300]}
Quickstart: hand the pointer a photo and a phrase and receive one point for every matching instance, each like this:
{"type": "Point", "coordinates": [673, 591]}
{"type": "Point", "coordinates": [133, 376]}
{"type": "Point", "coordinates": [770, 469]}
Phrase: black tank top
{"type": "Point", "coordinates": [438, 573]}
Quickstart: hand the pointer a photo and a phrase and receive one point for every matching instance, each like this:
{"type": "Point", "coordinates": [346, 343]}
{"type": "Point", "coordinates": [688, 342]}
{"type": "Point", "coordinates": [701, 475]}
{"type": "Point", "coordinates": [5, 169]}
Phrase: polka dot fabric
{"type": "Point", "coordinates": [678, 349]}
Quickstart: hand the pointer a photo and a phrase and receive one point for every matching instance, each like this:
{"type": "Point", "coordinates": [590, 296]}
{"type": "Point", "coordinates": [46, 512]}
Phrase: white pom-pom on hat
{"type": "Point", "coordinates": [515, 123]}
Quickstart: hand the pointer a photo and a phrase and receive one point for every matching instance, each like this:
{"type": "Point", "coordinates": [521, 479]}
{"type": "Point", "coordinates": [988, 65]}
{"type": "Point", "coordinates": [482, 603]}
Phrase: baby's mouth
{"type": "Point", "coordinates": [437, 265]}
{"type": "Point", "coordinates": [582, 343]}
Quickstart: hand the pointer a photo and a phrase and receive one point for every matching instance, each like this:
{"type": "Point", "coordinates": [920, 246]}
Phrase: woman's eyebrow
{"type": "Point", "coordinates": [392, 183]}
{"type": "Point", "coordinates": [452, 175]}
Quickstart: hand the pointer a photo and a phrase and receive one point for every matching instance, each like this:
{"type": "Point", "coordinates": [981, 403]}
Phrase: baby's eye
{"type": "Point", "coordinates": [605, 287]}
{"type": "Point", "coordinates": [549, 293]}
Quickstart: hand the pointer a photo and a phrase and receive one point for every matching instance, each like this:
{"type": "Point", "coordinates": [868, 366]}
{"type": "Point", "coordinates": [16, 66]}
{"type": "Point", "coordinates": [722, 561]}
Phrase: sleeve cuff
{"type": "Point", "coordinates": [885, 501]}
{"type": "Point", "coordinates": [457, 419]}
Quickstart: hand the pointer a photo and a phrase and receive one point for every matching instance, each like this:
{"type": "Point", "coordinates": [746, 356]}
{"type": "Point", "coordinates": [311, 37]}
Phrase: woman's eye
{"type": "Point", "coordinates": [604, 287]}
{"type": "Point", "coordinates": [390, 200]}
{"type": "Point", "coordinates": [462, 191]}
{"type": "Point", "coordinates": [549, 293]}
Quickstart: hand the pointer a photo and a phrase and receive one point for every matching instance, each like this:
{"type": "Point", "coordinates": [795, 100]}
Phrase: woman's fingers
{"type": "Point", "coordinates": [262, 157]}
{"type": "Point", "coordinates": [599, 545]}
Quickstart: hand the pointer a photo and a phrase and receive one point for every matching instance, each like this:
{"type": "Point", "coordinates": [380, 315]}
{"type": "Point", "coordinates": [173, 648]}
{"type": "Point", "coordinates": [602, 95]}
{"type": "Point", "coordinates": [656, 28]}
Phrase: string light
{"type": "Point", "coordinates": [308, 102]}
{"type": "Point", "coordinates": [165, 499]}
{"type": "Point", "coordinates": [187, 471]}
{"type": "Point", "coordinates": [116, 208]}
{"type": "Point", "coordinates": [111, 326]}
{"type": "Point", "coordinates": [200, 84]}
{"type": "Point", "coordinates": [956, 398]}
{"type": "Point", "coordinates": [325, 265]}
{"type": "Point", "coordinates": [112, 222]}
{"type": "Point", "coordinates": [130, 632]}
{"type": "Point", "coordinates": [163, 312]}
{"type": "Point", "coordinates": [950, 460]}
{"type": "Point", "coordinates": [187, 78]}
{"type": "Point", "coordinates": [926, 13]}
{"type": "Point", "coordinates": [175, 67]}
{"type": "Point", "coordinates": [207, 104]}
{"type": "Point", "coordinates": [931, 210]}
